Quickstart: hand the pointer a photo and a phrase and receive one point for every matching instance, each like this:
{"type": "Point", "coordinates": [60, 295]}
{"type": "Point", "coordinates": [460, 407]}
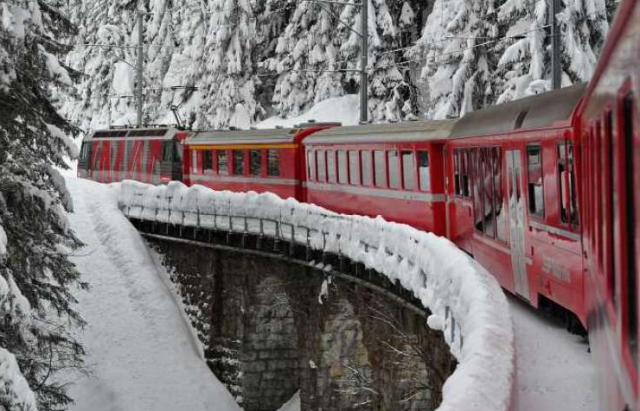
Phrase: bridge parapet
{"type": "Point", "coordinates": [464, 301]}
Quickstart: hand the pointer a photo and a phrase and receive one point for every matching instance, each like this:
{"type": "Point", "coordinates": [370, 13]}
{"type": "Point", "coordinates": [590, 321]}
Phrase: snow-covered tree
{"type": "Point", "coordinates": [36, 276]}
{"type": "Point", "coordinates": [457, 54]}
{"type": "Point", "coordinates": [232, 78]}
{"type": "Point", "coordinates": [307, 46]}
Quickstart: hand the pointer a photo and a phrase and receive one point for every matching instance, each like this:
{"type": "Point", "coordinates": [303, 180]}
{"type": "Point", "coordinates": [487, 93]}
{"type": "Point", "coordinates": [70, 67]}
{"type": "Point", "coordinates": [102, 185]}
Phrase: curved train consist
{"type": "Point", "coordinates": [544, 191]}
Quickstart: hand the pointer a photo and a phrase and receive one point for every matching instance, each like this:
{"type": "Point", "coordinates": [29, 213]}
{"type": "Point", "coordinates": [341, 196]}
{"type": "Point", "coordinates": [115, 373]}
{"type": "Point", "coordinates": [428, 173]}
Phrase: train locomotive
{"type": "Point", "coordinates": [543, 191]}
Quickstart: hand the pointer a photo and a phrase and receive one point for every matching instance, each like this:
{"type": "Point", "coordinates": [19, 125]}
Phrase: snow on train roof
{"type": "Point", "coordinates": [261, 136]}
{"type": "Point", "coordinates": [374, 133]}
{"type": "Point", "coordinates": [532, 112]}
{"type": "Point", "coordinates": [162, 133]}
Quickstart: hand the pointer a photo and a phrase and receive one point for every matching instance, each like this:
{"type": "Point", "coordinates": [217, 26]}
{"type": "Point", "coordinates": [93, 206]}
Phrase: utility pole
{"type": "Point", "coordinates": [556, 55]}
{"type": "Point", "coordinates": [364, 62]}
{"type": "Point", "coordinates": [139, 69]}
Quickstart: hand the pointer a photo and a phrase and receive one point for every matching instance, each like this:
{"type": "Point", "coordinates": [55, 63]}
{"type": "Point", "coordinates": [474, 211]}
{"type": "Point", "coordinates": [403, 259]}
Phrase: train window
{"type": "Point", "coordinates": [465, 168]}
{"type": "Point", "coordinates": [457, 187]}
{"type": "Point", "coordinates": [573, 197]}
{"type": "Point", "coordinates": [365, 162]}
{"type": "Point", "coordinates": [379, 168]}
{"type": "Point", "coordinates": [563, 182]}
{"type": "Point", "coordinates": [423, 171]}
{"type": "Point", "coordinates": [392, 161]}
{"type": "Point", "coordinates": [194, 161]}
{"type": "Point", "coordinates": [343, 168]}
{"type": "Point", "coordinates": [630, 231]}
{"type": "Point", "coordinates": [331, 166]}
{"type": "Point", "coordinates": [478, 189]}
{"type": "Point", "coordinates": [223, 162]}
{"type": "Point", "coordinates": [177, 151]}
{"type": "Point", "coordinates": [488, 191]}
{"type": "Point", "coordinates": [167, 152]}
{"type": "Point", "coordinates": [536, 193]}
{"type": "Point", "coordinates": [354, 168]}
{"type": "Point", "coordinates": [207, 160]}
{"type": "Point", "coordinates": [608, 206]}
{"type": "Point", "coordinates": [273, 163]}
{"type": "Point", "coordinates": [255, 162]}
{"type": "Point", "coordinates": [322, 166]}
{"type": "Point", "coordinates": [498, 197]}
{"type": "Point", "coordinates": [238, 162]}
{"type": "Point", "coordinates": [408, 170]}
{"type": "Point", "coordinates": [85, 152]}
{"type": "Point", "coordinates": [311, 166]}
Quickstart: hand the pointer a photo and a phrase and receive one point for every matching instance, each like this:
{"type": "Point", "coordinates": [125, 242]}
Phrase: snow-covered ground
{"type": "Point", "coordinates": [555, 370]}
{"type": "Point", "coordinates": [141, 355]}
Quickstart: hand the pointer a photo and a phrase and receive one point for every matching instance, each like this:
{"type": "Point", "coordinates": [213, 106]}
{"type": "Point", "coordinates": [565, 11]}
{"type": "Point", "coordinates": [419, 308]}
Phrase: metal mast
{"type": "Point", "coordinates": [364, 62]}
{"type": "Point", "coordinates": [139, 68]}
{"type": "Point", "coordinates": [556, 55]}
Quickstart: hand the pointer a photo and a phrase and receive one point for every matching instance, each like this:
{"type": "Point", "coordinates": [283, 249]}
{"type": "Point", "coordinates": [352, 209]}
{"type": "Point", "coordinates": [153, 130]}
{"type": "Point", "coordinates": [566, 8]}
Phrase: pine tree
{"type": "Point", "coordinates": [36, 276]}
{"type": "Point", "coordinates": [457, 56]}
{"type": "Point", "coordinates": [231, 39]}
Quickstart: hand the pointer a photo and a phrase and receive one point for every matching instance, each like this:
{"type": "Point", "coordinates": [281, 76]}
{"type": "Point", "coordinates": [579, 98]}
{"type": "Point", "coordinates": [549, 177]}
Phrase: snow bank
{"type": "Point", "coordinates": [467, 303]}
{"type": "Point", "coordinates": [343, 109]}
{"type": "Point", "coordinates": [14, 389]}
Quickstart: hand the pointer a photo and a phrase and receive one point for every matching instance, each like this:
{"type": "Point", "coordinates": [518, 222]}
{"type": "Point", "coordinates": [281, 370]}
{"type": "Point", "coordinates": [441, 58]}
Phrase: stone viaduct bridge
{"type": "Point", "coordinates": [352, 312]}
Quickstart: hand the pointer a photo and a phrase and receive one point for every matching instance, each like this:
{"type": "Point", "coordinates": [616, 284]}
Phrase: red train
{"type": "Point", "coordinates": [544, 191]}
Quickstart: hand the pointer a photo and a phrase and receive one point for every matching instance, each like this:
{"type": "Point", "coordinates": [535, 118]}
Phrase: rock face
{"type": "Point", "coordinates": [269, 329]}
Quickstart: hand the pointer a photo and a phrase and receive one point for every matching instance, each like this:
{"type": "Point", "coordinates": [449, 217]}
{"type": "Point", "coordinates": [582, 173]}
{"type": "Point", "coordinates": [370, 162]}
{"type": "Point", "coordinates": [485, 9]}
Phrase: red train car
{"type": "Point", "coordinates": [392, 170]}
{"type": "Point", "coordinates": [510, 174]}
{"type": "Point", "coordinates": [151, 155]}
{"type": "Point", "coordinates": [250, 160]}
{"type": "Point", "coordinates": [610, 164]}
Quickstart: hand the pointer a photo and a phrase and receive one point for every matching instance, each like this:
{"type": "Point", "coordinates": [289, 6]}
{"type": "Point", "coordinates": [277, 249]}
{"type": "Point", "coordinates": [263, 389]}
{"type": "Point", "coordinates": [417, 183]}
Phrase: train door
{"type": "Point", "coordinates": [517, 222]}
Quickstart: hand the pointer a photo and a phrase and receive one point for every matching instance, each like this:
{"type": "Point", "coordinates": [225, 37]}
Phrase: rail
{"type": "Point", "coordinates": [465, 302]}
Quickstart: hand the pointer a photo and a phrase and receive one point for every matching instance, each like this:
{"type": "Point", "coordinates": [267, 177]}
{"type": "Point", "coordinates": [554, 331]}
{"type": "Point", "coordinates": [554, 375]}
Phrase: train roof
{"type": "Point", "coordinates": [157, 133]}
{"type": "Point", "coordinates": [377, 133]}
{"type": "Point", "coordinates": [538, 111]}
{"type": "Point", "coordinates": [257, 136]}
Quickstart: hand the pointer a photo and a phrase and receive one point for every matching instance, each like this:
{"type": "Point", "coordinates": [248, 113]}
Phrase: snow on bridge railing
{"type": "Point", "coordinates": [466, 302]}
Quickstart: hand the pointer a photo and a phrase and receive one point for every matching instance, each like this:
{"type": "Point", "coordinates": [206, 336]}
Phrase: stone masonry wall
{"type": "Point", "coordinates": [268, 333]}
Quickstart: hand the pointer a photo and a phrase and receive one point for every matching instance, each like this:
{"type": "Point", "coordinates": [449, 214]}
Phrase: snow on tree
{"type": "Point", "coordinates": [457, 54]}
{"type": "Point", "coordinates": [494, 51]}
{"type": "Point", "coordinates": [36, 276]}
{"type": "Point", "coordinates": [231, 38]}
{"type": "Point", "coordinates": [306, 47]}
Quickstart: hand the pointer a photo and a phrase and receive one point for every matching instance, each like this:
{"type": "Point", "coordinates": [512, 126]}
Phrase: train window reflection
{"type": "Point", "coordinates": [408, 170]}
{"type": "Point", "coordinates": [207, 160]}
{"type": "Point", "coordinates": [394, 177]}
{"type": "Point", "coordinates": [311, 166]}
{"type": "Point", "coordinates": [331, 166]}
{"type": "Point", "coordinates": [255, 162]}
{"type": "Point", "coordinates": [223, 164]}
{"type": "Point", "coordinates": [365, 161]}
{"type": "Point", "coordinates": [535, 187]}
{"type": "Point", "coordinates": [378, 162]}
{"type": "Point", "coordinates": [273, 163]}
{"type": "Point", "coordinates": [238, 162]}
{"type": "Point", "coordinates": [423, 171]}
{"type": "Point", "coordinates": [343, 175]}
{"type": "Point", "coordinates": [354, 168]}
{"type": "Point", "coordinates": [322, 167]}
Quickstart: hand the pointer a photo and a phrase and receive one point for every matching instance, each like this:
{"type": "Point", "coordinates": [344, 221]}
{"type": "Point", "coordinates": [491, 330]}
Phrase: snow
{"type": "Point", "coordinates": [141, 354]}
{"type": "Point", "coordinates": [13, 386]}
{"type": "Point", "coordinates": [555, 369]}
{"type": "Point", "coordinates": [123, 79]}
{"type": "Point", "coordinates": [3, 242]}
{"type": "Point", "coordinates": [343, 110]}
{"type": "Point", "coordinates": [477, 324]}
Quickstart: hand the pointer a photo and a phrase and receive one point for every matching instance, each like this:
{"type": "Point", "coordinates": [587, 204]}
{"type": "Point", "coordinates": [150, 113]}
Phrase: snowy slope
{"type": "Point", "coordinates": [337, 109]}
{"type": "Point", "coordinates": [141, 355]}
